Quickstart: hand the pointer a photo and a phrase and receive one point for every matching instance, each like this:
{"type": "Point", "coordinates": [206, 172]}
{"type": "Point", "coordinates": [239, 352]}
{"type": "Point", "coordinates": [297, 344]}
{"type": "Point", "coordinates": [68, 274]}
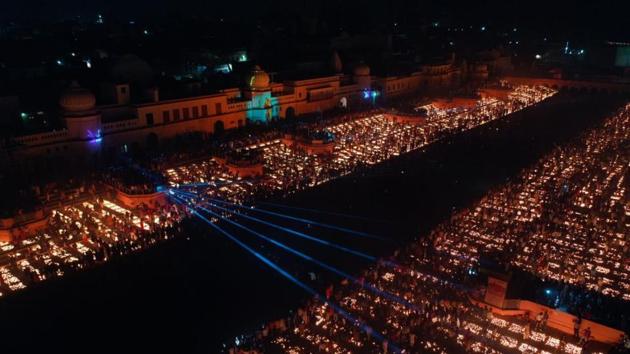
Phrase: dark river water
{"type": "Point", "coordinates": [196, 292]}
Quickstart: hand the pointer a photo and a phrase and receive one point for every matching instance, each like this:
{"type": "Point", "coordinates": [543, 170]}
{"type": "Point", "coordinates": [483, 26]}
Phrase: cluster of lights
{"type": "Point", "coordinates": [95, 137]}
{"type": "Point", "coordinates": [75, 233]}
{"type": "Point", "coordinates": [489, 335]}
{"type": "Point", "coordinates": [583, 243]}
{"type": "Point", "coordinates": [79, 230]}
{"type": "Point", "coordinates": [370, 94]}
{"type": "Point", "coordinates": [318, 330]}
{"type": "Point", "coordinates": [362, 141]}
{"type": "Point", "coordinates": [569, 51]}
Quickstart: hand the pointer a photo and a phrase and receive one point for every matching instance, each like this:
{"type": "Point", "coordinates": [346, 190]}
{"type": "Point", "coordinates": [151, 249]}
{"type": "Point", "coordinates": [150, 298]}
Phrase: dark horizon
{"type": "Point", "coordinates": [601, 18]}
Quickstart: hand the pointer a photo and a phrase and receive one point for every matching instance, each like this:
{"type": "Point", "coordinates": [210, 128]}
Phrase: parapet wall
{"type": "Point", "coordinates": [132, 201]}
{"type": "Point", "coordinates": [245, 171]}
{"type": "Point", "coordinates": [312, 147]}
{"type": "Point", "coordinates": [558, 319]}
{"type": "Point", "coordinates": [406, 119]}
{"type": "Point", "coordinates": [11, 228]}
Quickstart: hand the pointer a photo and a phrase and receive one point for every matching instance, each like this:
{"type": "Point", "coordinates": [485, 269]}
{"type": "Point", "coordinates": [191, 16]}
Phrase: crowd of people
{"type": "Point", "coordinates": [570, 209]}
{"type": "Point", "coordinates": [565, 220]}
{"type": "Point", "coordinates": [19, 201]}
{"type": "Point", "coordinates": [94, 227]}
{"type": "Point", "coordinates": [82, 234]}
{"type": "Point", "coordinates": [360, 141]}
{"type": "Point", "coordinates": [411, 303]}
{"type": "Point", "coordinates": [130, 178]}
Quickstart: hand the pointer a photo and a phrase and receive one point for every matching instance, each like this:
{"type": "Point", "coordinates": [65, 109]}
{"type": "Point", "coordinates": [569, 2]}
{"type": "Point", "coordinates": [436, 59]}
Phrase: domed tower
{"type": "Point", "coordinates": [258, 90]}
{"type": "Point", "coordinates": [258, 80]}
{"type": "Point", "coordinates": [361, 76]}
{"type": "Point", "coordinates": [78, 107]}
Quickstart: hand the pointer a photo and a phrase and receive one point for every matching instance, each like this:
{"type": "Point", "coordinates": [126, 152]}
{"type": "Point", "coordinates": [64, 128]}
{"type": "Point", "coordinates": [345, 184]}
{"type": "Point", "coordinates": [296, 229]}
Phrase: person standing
{"type": "Point", "coordinates": [586, 336]}
{"type": "Point", "coordinates": [576, 328]}
{"type": "Point", "coordinates": [527, 330]}
{"type": "Point", "coordinates": [545, 319]}
{"type": "Point", "coordinates": [539, 320]}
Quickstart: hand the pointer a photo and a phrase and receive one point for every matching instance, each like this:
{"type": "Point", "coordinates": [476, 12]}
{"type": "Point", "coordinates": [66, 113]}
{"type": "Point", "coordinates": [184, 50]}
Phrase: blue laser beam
{"type": "Point", "coordinates": [193, 195]}
{"type": "Point", "coordinates": [299, 234]}
{"type": "Point", "coordinates": [198, 184]}
{"type": "Point", "coordinates": [363, 326]}
{"type": "Point", "coordinates": [293, 232]}
{"type": "Point", "coordinates": [348, 216]}
{"type": "Point", "coordinates": [335, 270]}
{"type": "Point", "coordinates": [204, 184]}
{"type": "Point", "coordinates": [302, 220]}
{"type": "Point", "coordinates": [155, 177]}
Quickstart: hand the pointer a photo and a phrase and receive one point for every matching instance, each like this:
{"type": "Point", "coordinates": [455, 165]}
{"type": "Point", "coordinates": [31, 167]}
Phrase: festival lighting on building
{"type": "Point", "coordinates": [405, 288]}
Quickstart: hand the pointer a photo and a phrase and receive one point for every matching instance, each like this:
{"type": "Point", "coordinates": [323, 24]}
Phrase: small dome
{"type": "Point", "coordinates": [77, 99]}
{"type": "Point", "coordinates": [258, 79]}
{"type": "Point", "coordinates": [362, 69]}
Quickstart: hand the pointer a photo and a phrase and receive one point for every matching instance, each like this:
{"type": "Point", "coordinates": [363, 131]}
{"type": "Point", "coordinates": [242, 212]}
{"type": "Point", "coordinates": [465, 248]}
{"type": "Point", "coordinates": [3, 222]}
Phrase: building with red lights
{"type": "Point", "coordinates": [92, 129]}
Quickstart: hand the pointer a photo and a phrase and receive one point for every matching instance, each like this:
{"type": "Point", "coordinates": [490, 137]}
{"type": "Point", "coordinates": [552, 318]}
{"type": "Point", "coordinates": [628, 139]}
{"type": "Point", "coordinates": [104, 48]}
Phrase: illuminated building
{"type": "Point", "coordinates": [92, 129]}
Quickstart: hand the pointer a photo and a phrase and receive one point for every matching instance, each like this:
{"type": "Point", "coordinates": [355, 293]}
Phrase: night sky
{"type": "Point", "coordinates": [606, 17]}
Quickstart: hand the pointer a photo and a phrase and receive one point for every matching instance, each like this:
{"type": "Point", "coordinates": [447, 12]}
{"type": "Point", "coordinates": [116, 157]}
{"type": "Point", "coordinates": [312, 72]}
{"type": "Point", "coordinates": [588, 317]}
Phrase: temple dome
{"type": "Point", "coordinates": [362, 69]}
{"type": "Point", "coordinates": [258, 79]}
{"type": "Point", "coordinates": [77, 99]}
